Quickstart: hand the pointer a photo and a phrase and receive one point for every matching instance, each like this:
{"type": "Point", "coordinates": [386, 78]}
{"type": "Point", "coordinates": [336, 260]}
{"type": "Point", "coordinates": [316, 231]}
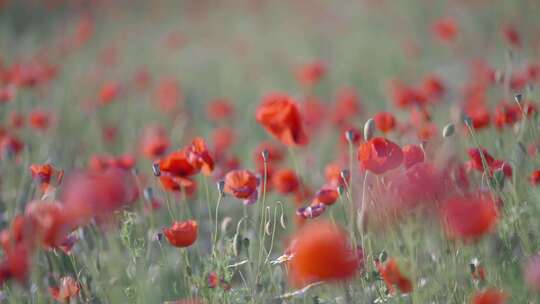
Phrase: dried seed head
{"type": "Point", "coordinates": [448, 130]}
{"type": "Point", "coordinates": [369, 129]}
{"type": "Point", "coordinates": [264, 155]}
{"type": "Point", "coordinates": [156, 169]}
{"type": "Point", "coordinates": [148, 193]}
{"type": "Point", "coordinates": [349, 135]}
{"type": "Point", "coordinates": [221, 187]}
{"type": "Point", "coordinates": [518, 98]}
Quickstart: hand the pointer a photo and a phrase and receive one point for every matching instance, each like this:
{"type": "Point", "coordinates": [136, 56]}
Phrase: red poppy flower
{"type": "Point", "coordinates": [219, 109]}
{"type": "Point", "coordinates": [39, 119]}
{"type": "Point", "coordinates": [10, 145]}
{"type": "Point", "coordinates": [490, 296]}
{"type": "Point", "coordinates": [68, 288]}
{"type": "Point", "coordinates": [200, 157]}
{"type": "Point", "coordinates": [385, 121]}
{"type": "Point", "coordinates": [469, 217]}
{"type": "Point", "coordinates": [242, 184]}
{"type": "Point", "coordinates": [280, 117]}
{"type": "Point", "coordinates": [534, 178]}
{"type": "Point", "coordinates": [51, 223]}
{"type": "Point", "coordinates": [412, 154]}
{"type": "Point", "coordinates": [433, 87]}
{"type": "Point", "coordinates": [213, 279]}
{"type": "Point", "coordinates": [16, 264]}
{"type": "Point", "coordinates": [321, 252]}
{"type": "Point", "coordinates": [97, 194]}
{"type": "Point", "coordinates": [155, 142]}
{"type": "Point", "coordinates": [327, 196]}
{"type": "Point", "coordinates": [379, 155]}
{"type": "Point", "coordinates": [511, 35]}
{"type": "Point", "coordinates": [285, 181]}
{"type": "Point", "coordinates": [310, 74]}
{"type": "Point", "coordinates": [347, 106]}
{"type": "Point", "coordinates": [7, 93]}
{"type": "Point", "coordinates": [177, 164]}
{"type": "Point", "coordinates": [223, 139]}
{"type": "Point", "coordinates": [506, 114]}
{"type": "Point", "coordinates": [475, 154]}
{"type": "Point", "coordinates": [45, 173]}
{"type": "Point", "coordinates": [109, 92]}
{"type": "Point", "coordinates": [445, 29]}
{"type": "Point", "coordinates": [168, 95]}
{"type": "Point", "coordinates": [182, 234]}
{"type": "Point", "coordinates": [16, 120]}
{"type": "Point", "coordinates": [392, 276]}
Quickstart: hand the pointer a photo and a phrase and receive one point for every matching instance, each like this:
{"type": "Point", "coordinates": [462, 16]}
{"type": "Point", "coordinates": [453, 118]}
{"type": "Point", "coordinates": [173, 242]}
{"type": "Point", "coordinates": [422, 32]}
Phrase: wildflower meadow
{"type": "Point", "coordinates": [265, 151]}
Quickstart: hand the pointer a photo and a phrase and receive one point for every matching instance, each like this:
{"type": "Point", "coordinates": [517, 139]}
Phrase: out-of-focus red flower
{"type": "Point", "coordinates": [310, 74]}
{"type": "Point", "coordinates": [385, 121]}
{"type": "Point", "coordinates": [199, 155]}
{"type": "Point", "coordinates": [68, 288]}
{"type": "Point", "coordinates": [433, 87]}
{"type": "Point", "coordinates": [511, 35]}
{"type": "Point", "coordinates": [379, 155]}
{"type": "Point", "coordinates": [109, 92]}
{"type": "Point", "coordinates": [404, 96]}
{"type": "Point", "coordinates": [101, 163]}
{"type": "Point", "coordinates": [412, 154]}
{"type": "Point", "coordinates": [213, 279]}
{"type": "Point", "coordinates": [168, 95]}
{"type": "Point", "coordinates": [479, 116]}
{"type": "Point", "coordinates": [10, 145]}
{"type": "Point", "coordinates": [502, 165]}
{"type": "Point", "coordinates": [327, 196]}
{"type": "Point", "coordinates": [285, 181]}
{"type": "Point", "coordinates": [45, 174]}
{"type": "Point", "coordinates": [490, 296]}
{"type": "Point", "coordinates": [445, 29]}
{"type": "Point", "coordinates": [475, 155]}
{"type": "Point", "coordinates": [506, 114]}
{"type": "Point", "coordinates": [313, 111]}
{"type": "Point", "coordinates": [393, 277]}
{"type": "Point", "coordinates": [279, 115]}
{"type": "Point", "coordinates": [155, 142]}
{"type": "Point", "coordinates": [347, 106]}
{"type": "Point", "coordinates": [534, 178]}
{"type": "Point", "coordinates": [7, 93]}
{"type": "Point", "coordinates": [321, 252]}
{"type": "Point", "coordinates": [51, 223]}
{"type": "Point", "coordinates": [88, 195]}
{"type": "Point", "coordinates": [223, 139]}
{"type": "Point", "coordinates": [242, 184]}
{"type": "Point", "coordinates": [16, 120]}
{"type": "Point", "coordinates": [182, 234]}
{"type": "Point", "coordinates": [16, 264]}
{"type": "Point", "coordinates": [39, 119]}
{"type": "Point", "coordinates": [332, 173]}
{"type": "Point", "coordinates": [219, 109]}
{"type": "Point", "coordinates": [142, 78]}
{"type": "Point", "coordinates": [469, 217]}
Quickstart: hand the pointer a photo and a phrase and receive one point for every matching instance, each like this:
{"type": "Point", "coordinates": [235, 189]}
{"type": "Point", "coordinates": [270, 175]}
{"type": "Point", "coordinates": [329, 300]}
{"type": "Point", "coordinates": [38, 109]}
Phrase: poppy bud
{"type": "Point", "coordinates": [345, 174]}
{"type": "Point", "coordinates": [468, 121]}
{"type": "Point", "coordinates": [349, 135]}
{"type": "Point", "coordinates": [369, 129]}
{"type": "Point", "coordinates": [341, 190]}
{"type": "Point", "coordinates": [221, 187]}
{"type": "Point", "coordinates": [518, 98]}
{"type": "Point", "coordinates": [156, 169]}
{"type": "Point", "coordinates": [448, 130]}
{"type": "Point", "coordinates": [265, 155]}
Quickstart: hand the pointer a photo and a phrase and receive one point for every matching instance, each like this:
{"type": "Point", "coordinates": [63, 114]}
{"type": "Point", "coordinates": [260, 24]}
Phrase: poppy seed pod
{"type": "Point", "coordinates": [349, 135]}
{"type": "Point", "coordinates": [369, 129]}
{"type": "Point", "coordinates": [221, 187]}
{"type": "Point", "coordinates": [518, 98]}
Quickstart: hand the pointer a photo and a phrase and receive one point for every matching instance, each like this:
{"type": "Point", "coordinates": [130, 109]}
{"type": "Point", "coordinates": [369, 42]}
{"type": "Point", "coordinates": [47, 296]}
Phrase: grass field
{"type": "Point", "coordinates": [251, 151]}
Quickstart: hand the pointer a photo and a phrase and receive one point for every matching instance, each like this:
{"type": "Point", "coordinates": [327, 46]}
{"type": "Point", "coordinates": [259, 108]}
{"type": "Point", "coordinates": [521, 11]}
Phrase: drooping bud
{"type": "Point", "coordinates": [468, 122]}
{"type": "Point", "coordinates": [148, 194]}
{"type": "Point", "coordinates": [345, 174]}
{"type": "Point", "coordinates": [221, 187]}
{"type": "Point", "coordinates": [369, 129]}
{"type": "Point", "coordinates": [265, 155]}
{"type": "Point", "coordinates": [156, 169]}
{"type": "Point", "coordinates": [349, 135]}
{"type": "Point", "coordinates": [518, 98]}
{"type": "Point", "coordinates": [448, 130]}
